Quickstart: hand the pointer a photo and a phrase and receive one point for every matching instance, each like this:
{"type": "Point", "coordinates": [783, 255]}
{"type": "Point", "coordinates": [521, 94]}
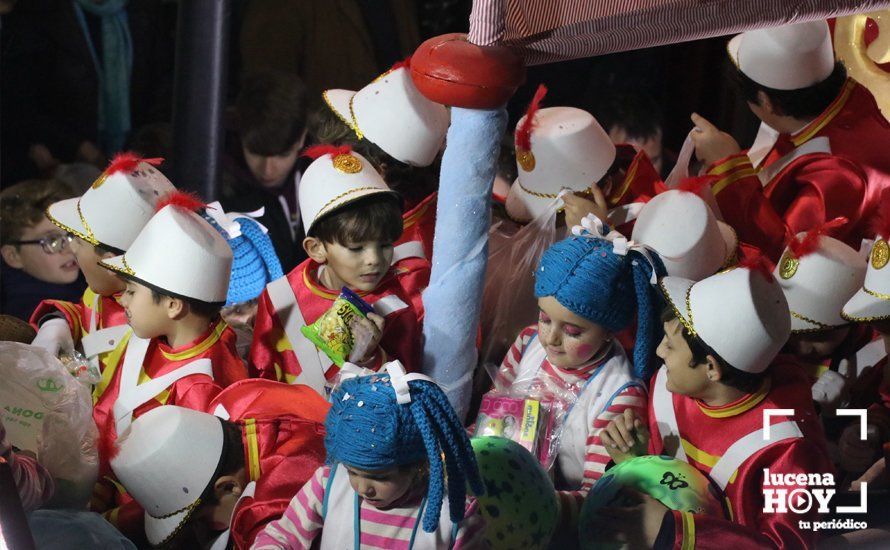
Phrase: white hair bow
{"type": "Point", "coordinates": [397, 377]}
{"type": "Point", "coordinates": [228, 221]}
{"type": "Point", "coordinates": [593, 227]}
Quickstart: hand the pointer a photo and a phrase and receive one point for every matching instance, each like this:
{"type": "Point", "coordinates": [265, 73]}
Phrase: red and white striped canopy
{"type": "Point", "coordinates": [543, 31]}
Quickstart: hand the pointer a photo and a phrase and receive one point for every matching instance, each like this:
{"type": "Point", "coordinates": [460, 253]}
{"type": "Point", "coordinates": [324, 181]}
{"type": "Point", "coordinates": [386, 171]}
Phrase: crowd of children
{"type": "Point", "coordinates": [239, 406]}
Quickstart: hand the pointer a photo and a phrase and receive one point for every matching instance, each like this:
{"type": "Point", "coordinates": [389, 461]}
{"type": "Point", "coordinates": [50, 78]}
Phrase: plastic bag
{"type": "Point", "coordinates": [340, 331]}
{"type": "Point", "coordinates": [508, 302]}
{"type": "Point", "coordinates": [48, 411]}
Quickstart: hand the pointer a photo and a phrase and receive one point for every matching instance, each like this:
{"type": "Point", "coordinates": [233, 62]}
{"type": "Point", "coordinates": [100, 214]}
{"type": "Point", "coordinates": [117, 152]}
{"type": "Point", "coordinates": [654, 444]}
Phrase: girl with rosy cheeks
{"type": "Point", "coordinates": [586, 293]}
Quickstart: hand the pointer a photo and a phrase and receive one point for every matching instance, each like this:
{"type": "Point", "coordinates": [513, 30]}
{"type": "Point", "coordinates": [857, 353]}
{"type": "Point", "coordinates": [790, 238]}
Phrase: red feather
{"type": "Point", "coordinates": [128, 161]}
{"type": "Point", "coordinates": [524, 130]}
{"type": "Point", "coordinates": [694, 184]}
{"type": "Point", "coordinates": [405, 63]}
{"type": "Point", "coordinates": [318, 151]}
{"type": "Point", "coordinates": [880, 222]}
{"type": "Point", "coordinates": [759, 263]}
{"type": "Point", "coordinates": [809, 243]}
{"type": "Point", "coordinates": [183, 200]}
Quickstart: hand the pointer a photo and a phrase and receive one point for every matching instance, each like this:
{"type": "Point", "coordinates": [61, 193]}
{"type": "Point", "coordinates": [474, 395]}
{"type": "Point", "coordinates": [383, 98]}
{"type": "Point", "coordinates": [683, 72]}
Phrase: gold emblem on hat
{"type": "Point", "coordinates": [99, 181]}
{"type": "Point", "coordinates": [880, 254]}
{"type": "Point", "coordinates": [526, 160]}
{"type": "Point", "coordinates": [788, 266]}
{"type": "Point", "coordinates": [347, 164]}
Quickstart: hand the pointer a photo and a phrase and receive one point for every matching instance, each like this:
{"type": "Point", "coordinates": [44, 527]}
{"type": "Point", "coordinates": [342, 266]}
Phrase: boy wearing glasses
{"type": "Point", "coordinates": [37, 262]}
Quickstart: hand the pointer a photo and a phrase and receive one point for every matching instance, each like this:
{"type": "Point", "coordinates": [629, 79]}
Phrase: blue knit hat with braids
{"type": "Point", "coordinates": [254, 262]}
{"type": "Point", "coordinates": [586, 276]}
{"type": "Point", "coordinates": [368, 428]}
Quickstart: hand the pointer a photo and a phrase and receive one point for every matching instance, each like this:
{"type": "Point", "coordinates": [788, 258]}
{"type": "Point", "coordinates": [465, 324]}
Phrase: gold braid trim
{"type": "Point", "coordinates": [190, 509]}
{"type": "Point", "coordinates": [687, 324]}
{"type": "Point", "coordinates": [819, 326]}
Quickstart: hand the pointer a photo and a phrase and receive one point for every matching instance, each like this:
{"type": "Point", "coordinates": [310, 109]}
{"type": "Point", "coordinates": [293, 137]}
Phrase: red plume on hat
{"type": "Point", "coordinates": [809, 243]}
{"type": "Point", "coordinates": [182, 200]}
{"type": "Point", "coordinates": [524, 130]}
{"type": "Point", "coordinates": [317, 151]}
{"type": "Point", "coordinates": [695, 184]}
{"type": "Point", "coordinates": [128, 161]}
{"type": "Point", "coordinates": [759, 263]}
{"type": "Point", "coordinates": [880, 222]}
{"type": "Point", "coordinates": [403, 64]}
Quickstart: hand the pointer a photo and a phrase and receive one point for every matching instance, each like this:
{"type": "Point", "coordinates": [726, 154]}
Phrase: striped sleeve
{"type": "Point", "coordinates": [301, 521]}
{"type": "Point", "coordinates": [596, 458]}
{"type": "Point", "coordinates": [510, 365]}
{"type": "Point", "coordinates": [33, 483]}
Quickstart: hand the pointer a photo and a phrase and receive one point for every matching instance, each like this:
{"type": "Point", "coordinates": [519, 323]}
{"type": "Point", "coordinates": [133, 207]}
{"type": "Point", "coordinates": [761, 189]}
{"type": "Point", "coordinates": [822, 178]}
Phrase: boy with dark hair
{"type": "Point", "coordinates": [102, 223]}
{"type": "Point", "coordinates": [352, 222]}
{"type": "Point", "coordinates": [239, 477]}
{"type": "Point", "coordinates": [37, 261]}
{"type": "Point", "coordinates": [179, 351]}
{"type": "Point", "coordinates": [634, 118]}
{"type": "Point", "coordinates": [820, 150]}
{"type": "Point", "coordinates": [708, 406]}
{"type": "Point", "coordinates": [263, 168]}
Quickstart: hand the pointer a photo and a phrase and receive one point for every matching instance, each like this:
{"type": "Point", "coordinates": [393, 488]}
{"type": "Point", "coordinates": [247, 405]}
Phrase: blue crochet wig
{"type": "Point", "coordinates": [368, 429]}
{"type": "Point", "coordinates": [254, 262]}
{"type": "Point", "coordinates": [586, 276]}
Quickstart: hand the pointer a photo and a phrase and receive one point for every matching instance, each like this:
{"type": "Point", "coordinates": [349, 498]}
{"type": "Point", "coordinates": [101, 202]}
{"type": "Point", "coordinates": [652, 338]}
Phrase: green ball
{"type": "Point", "coordinates": [519, 505]}
{"type": "Point", "coordinates": [675, 483]}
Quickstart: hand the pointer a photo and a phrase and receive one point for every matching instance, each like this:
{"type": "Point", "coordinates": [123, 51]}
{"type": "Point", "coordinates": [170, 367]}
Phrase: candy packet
{"type": "Point", "coordinates": [343, 332]}
{"type": "Point", "coordinates": [525, 421]}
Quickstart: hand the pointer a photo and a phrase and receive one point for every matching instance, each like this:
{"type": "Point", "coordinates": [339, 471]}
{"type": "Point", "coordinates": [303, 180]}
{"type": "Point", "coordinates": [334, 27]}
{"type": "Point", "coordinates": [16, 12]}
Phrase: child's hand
{"type": "Point", "coordinates": [625, 437]}
{"type": "Point", "coordinates": [366, 334]}
{"type": "Point", "coordinates": [875, 476]}
{"type": "Point", "coordinates": [577, 207]}
{"type": "Point", "coordinates": [711, 145]}
{"type": "Point", "coordinates": [55, 337]}
{"type": "Point", "coordinates": [636, 521]}
{"type": "Point", "coordinates": [857, 455]}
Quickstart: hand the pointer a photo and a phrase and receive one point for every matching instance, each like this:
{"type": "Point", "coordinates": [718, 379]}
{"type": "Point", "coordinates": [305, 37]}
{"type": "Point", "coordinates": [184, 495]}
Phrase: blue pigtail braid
{"type": "Point", "coordinates": [436, 487]}
{"type": "Point", "coordinates": [647, 314]}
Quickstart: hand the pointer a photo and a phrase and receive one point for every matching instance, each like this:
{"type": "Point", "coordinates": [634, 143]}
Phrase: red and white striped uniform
{"type": "Point", "coordinates": [593, 393]}
{"type": "Point", "coordinates": [303, 521]}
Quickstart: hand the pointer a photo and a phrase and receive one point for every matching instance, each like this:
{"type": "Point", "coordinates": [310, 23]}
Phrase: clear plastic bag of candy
{"type": "Point", "coordinates": [80, 367]}
{"type": "Point", "coordinates": [344, 331]}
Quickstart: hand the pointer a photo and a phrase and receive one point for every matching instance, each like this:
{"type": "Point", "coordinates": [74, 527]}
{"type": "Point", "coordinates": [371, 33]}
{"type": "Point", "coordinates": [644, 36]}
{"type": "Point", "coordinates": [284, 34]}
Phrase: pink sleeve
{"type": "Point", "coordinates": [35, 485]}
{"type": "Point", "coordinates": [302, 520]}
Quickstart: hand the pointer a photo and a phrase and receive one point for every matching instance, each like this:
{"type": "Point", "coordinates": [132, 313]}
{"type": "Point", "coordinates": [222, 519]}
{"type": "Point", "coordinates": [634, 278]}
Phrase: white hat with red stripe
{"type": "Point", "coordinates": [178, 253]}
{"type": "Point", "coordinates": [871, 302]}
{"type": "Point", "coordinates": [117, 206]}
{"type": "Point", "coordinates": [818, 274]}
{"type": "Point", "coordinates": [556, 148]}
{"type": "Point", "coordinates": [789, 57]}
{"type": "Point", "coordinates": [165, 460]}
{"type": "Point", "coordinates": [740, 313]}
{"type": "Point", "coordinates": [338, 176]}
{"type": "Point", "coordinates": [390, 113]}
{"type": "Point", "coordinates": [680, 226]}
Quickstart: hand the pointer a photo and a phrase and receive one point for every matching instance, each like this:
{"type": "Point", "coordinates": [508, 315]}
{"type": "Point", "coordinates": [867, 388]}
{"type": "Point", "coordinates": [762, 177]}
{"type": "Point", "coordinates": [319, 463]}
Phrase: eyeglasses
{"type": "Point", "coordinates": [52, 244]}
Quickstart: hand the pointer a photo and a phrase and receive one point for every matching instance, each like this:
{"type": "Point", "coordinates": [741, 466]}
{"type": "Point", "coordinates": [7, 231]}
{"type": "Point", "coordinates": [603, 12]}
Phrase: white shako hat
{"type": "Point", "coordinates": [818, 274]}
{"type": "Point", "coordinates": [872, 301]}
{"type": "Point", "coordinates": [117, 206]}
{"type": "Point", "coordinates": [165, 460]}
{"type": "Point", "coordinates": [338, 176]}
{"type": "Point", "coordinates": [689, 239]}
{"type": "Point", "coordinates": [789, 57]}
{"type": "Point", "coordinates": [556, 147]}
{"type": "Point", "coordinates": [390, 113]}
{"type": "Point", "coordinates": [178, 253]}
{"type": "Point", "coordinates": [740, 313]}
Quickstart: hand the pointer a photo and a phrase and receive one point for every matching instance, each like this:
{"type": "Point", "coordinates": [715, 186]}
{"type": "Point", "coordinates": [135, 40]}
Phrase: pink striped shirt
{"type": "Point", "coordinates": [302, 522]}
{"type": "Point", "coordinates": [35, 485]}
{"type": "Point", "coordinates": [572, 381]}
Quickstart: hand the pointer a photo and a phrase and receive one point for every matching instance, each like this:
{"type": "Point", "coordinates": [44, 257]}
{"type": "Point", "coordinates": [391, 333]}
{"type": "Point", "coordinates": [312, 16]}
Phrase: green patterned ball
{"type": "Point", "coordinates": [519, 505]}
{"type": "Point", "coordinates": [675, 483]}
